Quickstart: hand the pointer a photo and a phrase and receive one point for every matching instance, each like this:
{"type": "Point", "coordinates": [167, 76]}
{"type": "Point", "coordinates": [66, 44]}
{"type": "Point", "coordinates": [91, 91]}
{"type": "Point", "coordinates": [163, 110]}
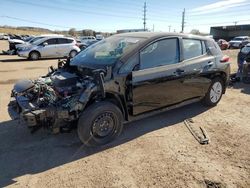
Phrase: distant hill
{"type": "Point", "coordinates": [24, 30]}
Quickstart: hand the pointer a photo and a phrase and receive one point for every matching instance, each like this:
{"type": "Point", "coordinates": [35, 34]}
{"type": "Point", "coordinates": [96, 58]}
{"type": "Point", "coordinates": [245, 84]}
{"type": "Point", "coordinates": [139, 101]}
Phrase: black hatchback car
{"type": "Point", "coordinates": [121, 78]}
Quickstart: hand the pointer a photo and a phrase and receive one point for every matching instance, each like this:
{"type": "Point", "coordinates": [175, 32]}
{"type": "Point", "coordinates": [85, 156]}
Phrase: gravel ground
{"type": "Point", "coordinates": [154, 152]}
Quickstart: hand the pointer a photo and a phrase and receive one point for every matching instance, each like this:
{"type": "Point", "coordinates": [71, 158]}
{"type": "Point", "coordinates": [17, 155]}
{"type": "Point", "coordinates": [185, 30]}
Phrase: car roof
{"type": "Point", "coordinates": [151, 36]}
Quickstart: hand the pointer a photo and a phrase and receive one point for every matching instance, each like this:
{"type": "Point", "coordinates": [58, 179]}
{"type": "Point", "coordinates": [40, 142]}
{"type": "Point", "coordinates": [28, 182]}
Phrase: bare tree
{"type": "Point", "coordinates": [72, 32]}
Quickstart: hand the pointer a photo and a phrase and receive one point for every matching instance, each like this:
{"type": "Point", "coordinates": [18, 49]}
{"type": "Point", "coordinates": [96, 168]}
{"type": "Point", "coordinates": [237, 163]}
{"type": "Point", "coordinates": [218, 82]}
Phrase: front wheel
{"type": "Point", "coordinates": [214, 93]}
{"type": "Point", "coordinates": [100, 123]}
{"type": "Point", "coordinates": [34, 56]}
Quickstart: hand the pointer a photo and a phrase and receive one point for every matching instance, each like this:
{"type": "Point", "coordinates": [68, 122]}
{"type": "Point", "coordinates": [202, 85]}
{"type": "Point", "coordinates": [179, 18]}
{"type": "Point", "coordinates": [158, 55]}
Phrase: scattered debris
{"type": "Point", "coordinates": [9, 52]}
{"type": "Point", "coordinates": [211, 184]}
{"type": "Point", "coordinates": [200, 135]}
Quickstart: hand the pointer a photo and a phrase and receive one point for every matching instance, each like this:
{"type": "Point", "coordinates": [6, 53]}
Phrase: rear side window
{"type": "Point", "coordinates": [163, 52]}
{"type": "Point", "coordinates": [64, 41]}
{"type": "Point", "coordinates": [192, 48]}
{"type": "Point", "coordinates": [51, 41]}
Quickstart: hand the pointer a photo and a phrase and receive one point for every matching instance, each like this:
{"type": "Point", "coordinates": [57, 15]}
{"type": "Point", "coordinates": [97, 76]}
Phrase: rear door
{"type": "Point", "coordinates": [64, 46]}
{"type": "Point", "coordinates": [49, 50]}
{"type": "Point", "coordinates": [197, 62]}
{"type": "Point", "coordinates": [158, 82]}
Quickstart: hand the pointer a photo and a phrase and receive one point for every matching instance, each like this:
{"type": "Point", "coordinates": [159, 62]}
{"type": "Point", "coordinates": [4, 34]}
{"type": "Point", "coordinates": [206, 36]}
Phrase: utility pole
{"type": "Point", "coordinates": [183, 21]}
{"type": "Point", "coordinates": [169, 28]}
{"type": "Point", "coordinates": [153, 27]}
{"type": "Point", "coordinates": [144, 15]}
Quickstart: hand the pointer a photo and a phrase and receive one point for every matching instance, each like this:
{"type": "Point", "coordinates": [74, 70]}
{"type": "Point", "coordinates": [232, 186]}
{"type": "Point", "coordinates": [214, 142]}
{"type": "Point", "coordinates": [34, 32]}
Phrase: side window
{"type": "Point", "coordinates": [163, 52]}
{"type": "Point", "coordinates": [51, 41]}
{"type": "Point", "coordinates": [64, 41]}
{"type": "Point", "coordinates": [192, 48]}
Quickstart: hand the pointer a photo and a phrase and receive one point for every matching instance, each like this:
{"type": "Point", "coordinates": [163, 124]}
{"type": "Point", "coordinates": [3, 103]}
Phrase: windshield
{"type": "Point", "coordinates": [38, 41]}
{"type": "Point", "coordinates": [238, 39]}
{"type": "Point", "coordinates": [107, 51]}
{"type": "Point", "coordinates": [35, 39]}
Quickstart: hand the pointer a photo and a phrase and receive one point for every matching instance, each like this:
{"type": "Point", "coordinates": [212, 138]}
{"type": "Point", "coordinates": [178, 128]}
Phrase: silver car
{"type": "Point", "coordinates": [50, 47]}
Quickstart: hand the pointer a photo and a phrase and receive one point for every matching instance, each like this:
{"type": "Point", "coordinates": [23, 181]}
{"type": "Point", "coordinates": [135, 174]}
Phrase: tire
{"type": "Point", "coordinates": [212, 98]}
{"type": "Point", "coordinates": [100, 123]}
{"type": "Point", "coordinates": [72, 53]}
{"type": "Point", "coordinates": [34, 55]}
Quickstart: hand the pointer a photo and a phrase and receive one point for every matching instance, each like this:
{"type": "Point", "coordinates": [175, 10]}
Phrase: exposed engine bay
{"type": "Point", "coordinates": [56, 98]}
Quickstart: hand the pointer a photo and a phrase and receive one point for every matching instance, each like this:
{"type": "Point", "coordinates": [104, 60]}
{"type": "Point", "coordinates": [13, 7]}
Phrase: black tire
{"type": "Point", "coordinates": [72, 53]}
{"type": "Point", "coordinates": [95, 119]}
{"type": "Point", "coordinates": [34, 55]}
{"type": "Point", "coordinates": [210, 100]}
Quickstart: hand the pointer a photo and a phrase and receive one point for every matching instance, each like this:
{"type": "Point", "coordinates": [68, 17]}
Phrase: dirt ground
{"type": "Point", "coordinates": [154, 152]}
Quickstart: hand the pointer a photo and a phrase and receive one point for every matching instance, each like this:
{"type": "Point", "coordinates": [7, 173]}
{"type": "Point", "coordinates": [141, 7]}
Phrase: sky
{"type": "Point", "coordinates": [112, 15]}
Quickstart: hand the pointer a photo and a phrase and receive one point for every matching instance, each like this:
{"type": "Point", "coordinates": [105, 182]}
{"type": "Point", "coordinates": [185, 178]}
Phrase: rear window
{"type": "Point", "coordinates": [64, 41]}
{"type": "Point", "coordinates": [192, 48]}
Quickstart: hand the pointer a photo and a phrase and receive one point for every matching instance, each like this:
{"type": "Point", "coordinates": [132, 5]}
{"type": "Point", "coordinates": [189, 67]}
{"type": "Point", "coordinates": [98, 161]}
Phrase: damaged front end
{"type": "Point", "coordinates": [55, 100]}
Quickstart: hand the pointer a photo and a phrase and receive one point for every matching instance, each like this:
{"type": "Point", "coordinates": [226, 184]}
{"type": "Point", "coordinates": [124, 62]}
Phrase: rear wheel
{"type": "Point", "coordinates": [72, 53]}
{"type": "Point", "coordinates": [214, 93]}
{"type": "Point", "coordinates": [100, 123]}
{"type": "Point", "coordinates": [34, 56]}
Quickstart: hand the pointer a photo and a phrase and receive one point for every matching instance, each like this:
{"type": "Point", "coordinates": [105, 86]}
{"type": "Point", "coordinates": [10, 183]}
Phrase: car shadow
{"type": "Point", "coordinates": [12, 60]}
{"type": "Point", "coordinates": [22, 153]}
{"type": "Point", "coordinates": [245, 88]}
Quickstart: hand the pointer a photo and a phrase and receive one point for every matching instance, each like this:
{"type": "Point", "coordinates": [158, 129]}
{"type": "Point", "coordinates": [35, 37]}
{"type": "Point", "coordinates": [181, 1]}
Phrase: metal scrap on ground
{"type": "Point", "coordinates": [200, 136]}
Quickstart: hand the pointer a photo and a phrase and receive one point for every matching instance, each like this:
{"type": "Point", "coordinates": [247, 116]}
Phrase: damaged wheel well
{"type": "Point", "coordinates": [113, 98]}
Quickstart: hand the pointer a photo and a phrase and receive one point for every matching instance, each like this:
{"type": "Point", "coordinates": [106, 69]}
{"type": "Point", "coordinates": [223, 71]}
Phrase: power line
{"type": "Point", "coordinates": [216, 23]}
{"type": "Point", "coordinates": [30, 21]}
{"type": "Point", "coordinates": [81, 11]}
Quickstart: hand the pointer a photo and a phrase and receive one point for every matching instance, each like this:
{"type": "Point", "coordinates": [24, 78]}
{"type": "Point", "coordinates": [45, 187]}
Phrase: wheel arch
{"type": "Point", "coordinates": [36, 52]}
{"type": "Point", "coordinates": [113, 98]}
{"type": "Point", "coordinates": [223, 76]}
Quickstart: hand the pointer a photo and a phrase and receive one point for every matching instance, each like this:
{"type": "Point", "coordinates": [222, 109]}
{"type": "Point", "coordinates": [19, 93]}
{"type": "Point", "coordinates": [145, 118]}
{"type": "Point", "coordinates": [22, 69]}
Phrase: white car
{"type": "Point", "coordinates": [50, 47]}
{"type": "Point", "coordinates": [238, 42]}
{"type": "Point", "coordinates": [4, 36]}
{"type": "Point", "coordinates": [99, 37]}
{"type": "Point", "coordinates": [30, 42]}
{"type": "Point", "coordinates": [87, 39]}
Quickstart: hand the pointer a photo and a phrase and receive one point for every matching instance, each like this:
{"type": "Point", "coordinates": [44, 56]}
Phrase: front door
{"type": "Point", "coordinates": [158, 83]}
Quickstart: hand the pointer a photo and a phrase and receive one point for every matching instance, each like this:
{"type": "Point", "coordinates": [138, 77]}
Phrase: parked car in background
{"type": "Point", "coordinates": [13, 41]}
{"type": "Point", "coordinates": [4, 36]}
{"type": "Point", "coordinates": [99, 37]}
{"type": "Point", "coordinates": [122, 78]}
{"type": "Point", "coordinates": [29, 42]}
{"type": "Point", "coordinates": [85, 44]}
{"type": "Point", "coordinates": [223, 44]}
{"type": "Point", "coordinates": [239, 42]}
{"type": "Point", "coordinates": [50, 47]}
{"type": "Point", "coordinates": [87, 38]}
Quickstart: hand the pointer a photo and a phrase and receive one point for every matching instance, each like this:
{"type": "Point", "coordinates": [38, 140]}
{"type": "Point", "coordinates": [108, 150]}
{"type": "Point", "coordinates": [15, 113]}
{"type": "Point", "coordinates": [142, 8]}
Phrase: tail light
{"type": "Point", "coordinates": [225, 59]}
